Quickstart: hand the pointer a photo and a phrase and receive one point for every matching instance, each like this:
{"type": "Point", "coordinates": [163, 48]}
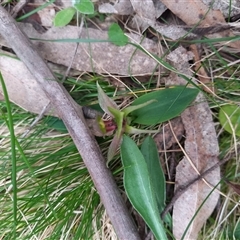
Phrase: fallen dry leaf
{"type": "Point", "coordinates": [194, 12]}
{"type": "Point", "coordinates": [146, 13]}
{"type": "Point", "coordinates": [191, 12]}
{"type": "Point", "coordinates": [121, 7]}
{"type": "Point", "coordinates": [47, 16]}
{"type": "Point", "coordinates": [144, 9]}
{"type": "Point", "coordinates": [99, 57]}
{"type": "Point", "coordinates": [61, 3]}
{"type": "Point", "coordinates": [107, 8]}
{"type": "Point", "coordinates": [224, 7]}
{"type": "Point", "coordinates": [22, 88]}
{"type": "Point", "coordinates": [165, 138]}
{"type": "Point", "coordinates": [171, 31]}
{"type": "Point", "coordinates": [201, 147]}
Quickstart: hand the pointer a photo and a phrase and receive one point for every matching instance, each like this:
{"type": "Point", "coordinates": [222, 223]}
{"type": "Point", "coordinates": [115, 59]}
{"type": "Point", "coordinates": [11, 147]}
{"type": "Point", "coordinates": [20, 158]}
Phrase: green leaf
{"type": "Point", "coordinates": [116, 35]}
{"type": "Point", "coordinates": [229, 117]}
{"type": "Point", "coordinates": [138, 187]}
{"type": "Point", "coordinates": [64, 17]}
{"type": "Point", "coordinates": [133, 108]}
{"type": "Point", "coordinates": [84, 6]}
{"type": "Point", "coordinates": [105, 102]}
{"type": "Point", "coordinates": [170, 102]}
{"type": "Point", "coordinates": [150, 153]}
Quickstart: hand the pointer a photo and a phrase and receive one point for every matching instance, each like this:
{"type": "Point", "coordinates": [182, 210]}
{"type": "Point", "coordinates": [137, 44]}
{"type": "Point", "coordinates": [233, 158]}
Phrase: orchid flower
{"type": "Point", "coordinates": [119, 121]}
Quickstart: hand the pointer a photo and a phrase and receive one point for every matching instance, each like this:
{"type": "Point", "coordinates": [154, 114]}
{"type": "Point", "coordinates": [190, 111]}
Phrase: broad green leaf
{"type": "Point", "coordinates": [64, 17]}
{"type": "Point", "coordinates": [138, 187]}
{"type": "Point", "coordinates": [133, 108]}
{"type": "Point", "coordinates": [229, 117]}
{"type": "Point", "coordinates": [84, 6]}
{"type": "Point", "coordinates": [105, 102]}
{"type": "Point", "coordinates": [170, 102]}
{"type": "Point", "coordinates": [151, 156]}
{"type": "Point", "coordinates": [150, 153]}
{"type": "Point", "coordinates": [116, 35]}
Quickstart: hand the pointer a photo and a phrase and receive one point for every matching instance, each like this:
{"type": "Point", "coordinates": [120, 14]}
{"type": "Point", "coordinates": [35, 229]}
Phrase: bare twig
{"type": "Point", "coordinates": [73, 118]}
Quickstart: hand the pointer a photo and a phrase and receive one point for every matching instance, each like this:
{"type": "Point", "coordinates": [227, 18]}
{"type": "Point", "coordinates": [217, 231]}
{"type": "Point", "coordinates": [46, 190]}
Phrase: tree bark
{"type": "Point", "coordinates": [73, 118]}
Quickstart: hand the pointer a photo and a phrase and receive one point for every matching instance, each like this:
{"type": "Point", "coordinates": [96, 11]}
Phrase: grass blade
{"type": "Point", "coordinates": [9, 123]}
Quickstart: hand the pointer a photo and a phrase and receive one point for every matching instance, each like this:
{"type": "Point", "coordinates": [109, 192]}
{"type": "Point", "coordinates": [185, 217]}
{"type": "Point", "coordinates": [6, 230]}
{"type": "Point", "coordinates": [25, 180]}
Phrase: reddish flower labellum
{"type": "Point", "coordinates": [110, 125]}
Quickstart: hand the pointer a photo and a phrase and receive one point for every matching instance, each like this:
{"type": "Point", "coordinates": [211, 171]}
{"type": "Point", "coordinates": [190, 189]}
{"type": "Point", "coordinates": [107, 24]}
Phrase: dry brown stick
{"type": "Point", "coordinates": [73, 118]}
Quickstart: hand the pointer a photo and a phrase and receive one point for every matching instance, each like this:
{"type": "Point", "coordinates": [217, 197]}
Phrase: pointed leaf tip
{"type": "Point", "coordinates": [104, 101]}
{"type": "Point", "coordinates": [115, 144]}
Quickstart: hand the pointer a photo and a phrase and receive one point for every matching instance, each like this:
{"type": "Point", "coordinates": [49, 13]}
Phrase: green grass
{"type": "Point", "coordinates": [55, 197]}
{"type": "Point", "coordinates": [53, 193]}
{"type": "Point", "coordinates": [54, 188]}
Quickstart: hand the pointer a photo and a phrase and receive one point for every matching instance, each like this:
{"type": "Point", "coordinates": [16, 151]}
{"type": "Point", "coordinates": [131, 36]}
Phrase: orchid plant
{"type": "Point", "coordinates": [119, 121]}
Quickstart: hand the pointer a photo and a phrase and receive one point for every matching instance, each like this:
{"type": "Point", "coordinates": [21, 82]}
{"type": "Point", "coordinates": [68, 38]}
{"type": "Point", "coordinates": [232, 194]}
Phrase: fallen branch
{"type": "Point", "coordinates": [73, 118]}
